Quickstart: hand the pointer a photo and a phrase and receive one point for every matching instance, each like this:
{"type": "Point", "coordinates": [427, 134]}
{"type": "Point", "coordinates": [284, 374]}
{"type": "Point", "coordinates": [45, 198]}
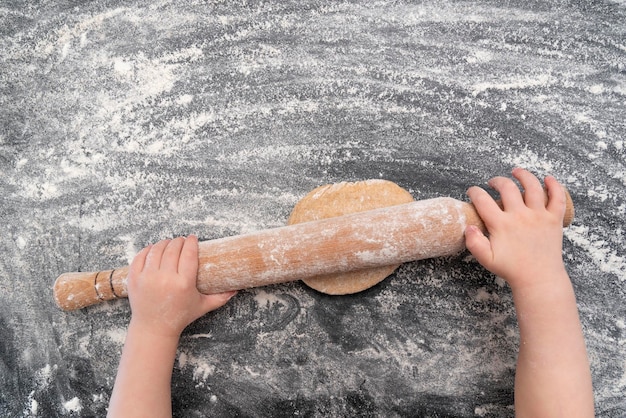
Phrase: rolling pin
{"type": "Point", "coordinates": [382, 237]}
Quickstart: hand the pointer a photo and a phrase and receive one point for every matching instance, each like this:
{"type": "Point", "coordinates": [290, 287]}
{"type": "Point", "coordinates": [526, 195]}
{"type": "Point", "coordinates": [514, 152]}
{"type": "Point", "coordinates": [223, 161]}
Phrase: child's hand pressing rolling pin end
{"type": "Point", "coordinates": [524, 247]}
{"type": "Point", "coordinates": [164, 300]}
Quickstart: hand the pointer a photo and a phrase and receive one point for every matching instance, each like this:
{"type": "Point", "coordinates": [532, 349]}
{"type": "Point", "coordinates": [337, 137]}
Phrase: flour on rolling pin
{"type": "Point", "coordinates": [341, 239]}
{"type": "Point", "coordinates": [345, 198]}
{"type": "Point", "coordinates": [342, 199]}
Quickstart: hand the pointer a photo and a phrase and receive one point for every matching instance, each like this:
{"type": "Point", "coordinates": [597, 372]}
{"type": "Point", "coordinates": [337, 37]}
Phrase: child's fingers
{"type": "Point", "coordinates": [171, 255]}
{"type": "Point", "coordinates": [487, 208]}
{"type": "Point", "coordinates": [153, 259]}
{"type": "Point", "coordinates": [556, 197]}
{"type": "Point", "coordinates": [136, 266]}
{"type": "Point", "coordinates": [188, 263]}
{"type": "Point", "coordinates": [478, 244]}
{"type": "Point", "coordinates": [509, 192]}
{"type": "Point", "coordinates": [533, 192]}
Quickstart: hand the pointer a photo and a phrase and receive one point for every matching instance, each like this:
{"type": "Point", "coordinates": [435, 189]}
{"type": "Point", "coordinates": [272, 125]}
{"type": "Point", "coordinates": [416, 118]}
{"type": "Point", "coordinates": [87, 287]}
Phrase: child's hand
{"type": "Point", "coordinates": [526, 238]}
{"type": "Point", "coordinates": [162, 288]}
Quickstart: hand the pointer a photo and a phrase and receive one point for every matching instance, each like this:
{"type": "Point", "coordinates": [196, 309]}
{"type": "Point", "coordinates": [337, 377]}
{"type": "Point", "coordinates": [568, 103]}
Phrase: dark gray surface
{"type": "Point", "coordinates": [122, 123]}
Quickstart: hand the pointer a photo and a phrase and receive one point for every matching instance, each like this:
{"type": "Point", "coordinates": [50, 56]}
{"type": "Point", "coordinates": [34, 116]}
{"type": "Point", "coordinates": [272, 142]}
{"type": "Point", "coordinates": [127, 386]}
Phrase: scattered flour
{"type": "Point", "coordinates": [479, 56]}
{"type": "Point", "coordinates": [184, 99]}
{"type": "Point", "coordinates": [541, 80]}
{"type": "Point", "coordinates": [44, 375]}
{"type": "Point", "coordinates": [480, 411]}
{"type": "Point", "coordinates": [131, 247]}
{"type": "Point", "coordinates": [294, 153]}
{"type": "Point", "coordinates": [123, 67]}
{"type": "Point", "coordinates": [33, 405]}
{"type": "Point", "coordinates": [488, 410]}
{"type": "Point", "coordinates": [20, 163]}
{"type": "Point", "coordinates": [149, 78]}
{"type": "Point", "coordinates": [117, 335]}
{"type": "Point", "coordinates": [606, 259]}
{"type": "Point", "coordinates": [531, 161]}
{"type": "Point", "coordinates": [73, 405]}
{"type": "Point", "coordinates": [596, 89]}
{"type": "Point", "coordinates": [443, 12]}
{"type": "Point", "coordinates": [264, 298]}
{"type": "Point", "coordinates": [203, 368]}
{"type": "Point", "coordinates": [20, 242]}
{"type": "Point", "coordinates": [621, 384]}
{"type": "Point", "coordinates": [202, 371]}
{"type": "Point", "coordinates": [40, 191]}
{"type": "Point", "coordinates": [66, 36]}
{"type": "Point", "coordinates": [483, 295]}
{"type": "Point", "coordinates": [500, 281]}
{"type": "Point", "coordinates": [42, 379]}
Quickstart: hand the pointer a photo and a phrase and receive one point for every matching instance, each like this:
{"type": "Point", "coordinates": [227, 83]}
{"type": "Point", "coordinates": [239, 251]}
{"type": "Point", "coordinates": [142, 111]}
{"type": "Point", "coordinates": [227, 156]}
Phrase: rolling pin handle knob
{"type": "Point", "coordinates": [78, 290]}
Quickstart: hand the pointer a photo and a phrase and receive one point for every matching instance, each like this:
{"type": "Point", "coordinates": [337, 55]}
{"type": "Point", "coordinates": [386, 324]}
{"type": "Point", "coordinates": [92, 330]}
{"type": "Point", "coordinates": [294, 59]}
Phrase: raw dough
{"type": "Point", "coordinates": [342, 199]}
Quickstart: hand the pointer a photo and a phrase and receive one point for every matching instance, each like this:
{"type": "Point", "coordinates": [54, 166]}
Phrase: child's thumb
{"type": "Point", "coordinates": [478, 244]}
{"type": "Point", "coordinates": [212, 302]}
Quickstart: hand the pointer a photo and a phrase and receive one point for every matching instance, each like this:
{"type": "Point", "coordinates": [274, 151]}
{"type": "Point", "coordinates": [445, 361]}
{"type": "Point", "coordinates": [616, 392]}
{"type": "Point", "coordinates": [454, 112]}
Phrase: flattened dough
{"type": "Point", "coordinates": [342, 199]}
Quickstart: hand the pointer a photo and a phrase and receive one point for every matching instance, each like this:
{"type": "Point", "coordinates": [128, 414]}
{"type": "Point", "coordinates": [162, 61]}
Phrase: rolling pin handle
{"type": "Point", "coordinates": [78, 290]}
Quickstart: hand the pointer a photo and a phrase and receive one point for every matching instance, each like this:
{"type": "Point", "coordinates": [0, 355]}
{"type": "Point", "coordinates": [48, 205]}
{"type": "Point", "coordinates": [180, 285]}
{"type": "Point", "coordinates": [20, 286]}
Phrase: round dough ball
{"type": "Point", "coordinates": [342, 199]}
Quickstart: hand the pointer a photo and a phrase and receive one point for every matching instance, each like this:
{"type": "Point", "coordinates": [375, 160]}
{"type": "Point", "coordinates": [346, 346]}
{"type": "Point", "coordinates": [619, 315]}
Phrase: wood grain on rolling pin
{"type": "Point", "coordinates": [381, 237]}
{"type": "Point", "coordinates": [341, 199]}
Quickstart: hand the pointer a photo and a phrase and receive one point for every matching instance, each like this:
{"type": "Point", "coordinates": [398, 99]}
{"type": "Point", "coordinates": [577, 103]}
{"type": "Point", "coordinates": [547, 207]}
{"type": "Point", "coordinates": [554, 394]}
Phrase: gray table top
{"type": "Point", "coordinates": [122, 123]}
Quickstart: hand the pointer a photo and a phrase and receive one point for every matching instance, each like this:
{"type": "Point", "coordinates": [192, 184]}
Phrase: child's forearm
{"type": "Point", "coordinates": [143, 384]}
{"type": "Point", "coordinates": [553, 377]}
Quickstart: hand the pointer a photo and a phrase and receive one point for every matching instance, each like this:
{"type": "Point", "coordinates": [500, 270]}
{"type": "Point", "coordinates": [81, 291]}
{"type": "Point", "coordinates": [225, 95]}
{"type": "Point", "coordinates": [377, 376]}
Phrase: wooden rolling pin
{"type": "Point", "coordinates": [381, 237]}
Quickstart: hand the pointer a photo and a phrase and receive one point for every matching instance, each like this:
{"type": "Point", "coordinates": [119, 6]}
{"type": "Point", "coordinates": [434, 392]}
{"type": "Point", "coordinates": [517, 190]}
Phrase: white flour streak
{"type": "Point", "coordinates": [441, 12]}
{"type": "Point", "coordinates": [243, 224]}
{"type": "Point", "coordinates": [519, 83]}
{"type": "Point", "coordinates": [599, 192]}
{"type": "Point", "coordinates": [479, 56]}
{"type": "Point", "coordinates": [42, 191]}
{"type": "Point", "coordinates": [621, 384]}
{"type": "Point", "coordinates": [293, 153]}
{"type": "Point", "coordinates": [145, 78]}
{"type": "Point", "coordinates": [531, 161]}
{"type": "Point", "coordinates": [606, 259]}
{"type": "Point", "coordinates": [67, 36]}
{"type": "Point", "coordinates": [131, 248]}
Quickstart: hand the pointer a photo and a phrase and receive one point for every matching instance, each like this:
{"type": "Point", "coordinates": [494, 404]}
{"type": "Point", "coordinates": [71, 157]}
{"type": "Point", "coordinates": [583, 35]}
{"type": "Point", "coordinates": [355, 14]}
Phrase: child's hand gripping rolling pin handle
{"type": "Point", "coordinates": [164, 299]}
{"type": "Point", "coordinates": [524, 247]}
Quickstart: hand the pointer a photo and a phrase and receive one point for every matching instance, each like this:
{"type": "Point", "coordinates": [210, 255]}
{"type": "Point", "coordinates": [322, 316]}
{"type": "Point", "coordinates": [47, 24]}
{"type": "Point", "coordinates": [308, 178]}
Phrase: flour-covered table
{"type": "Point", "coordinates": [122, 123]}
